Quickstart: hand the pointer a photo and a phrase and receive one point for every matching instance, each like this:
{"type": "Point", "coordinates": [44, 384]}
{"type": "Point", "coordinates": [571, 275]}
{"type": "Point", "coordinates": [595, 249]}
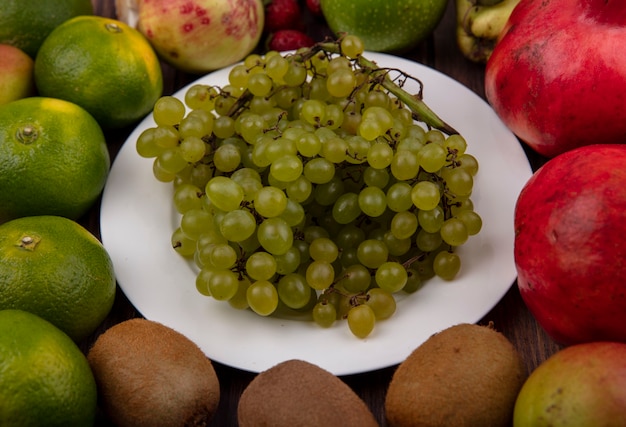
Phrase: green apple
{"type": "Point", "coordinates": [385, 25]}
{"type": "Point", "coordinates": [16, 74]}
{"type": "Point", "coordinates": [579, 386]}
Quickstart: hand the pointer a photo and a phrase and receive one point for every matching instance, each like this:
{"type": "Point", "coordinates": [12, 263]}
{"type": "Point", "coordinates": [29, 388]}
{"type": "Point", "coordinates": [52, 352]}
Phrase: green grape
{"type": "Point", "coordinates": [425, 195]}
{"type": "Point", "coordinates": [308, 144]}
{"type": "Point", "coordinates": [237, 225]}
{"type": "Point", "coordinates": [320, 275]}
{"type": "Point", "coordinates": [295, 75]}
{"type": "Point", "coordinates": [382, 303]}
{"type": "Point", "coordinates": [313, 111]}
{"type": "Point", "coordinates": [239, 301]}
{"type": "Point", "coordinates": [399, 197]}
{"type": "Point", "coordinates": [196, 222]}
{"type": "Point", "coordinates": [260, 84]}
{"type": "Point", "coordinates": [324, 314]}
{"type": "Point", "coordinates": [355, 278]}
{"type": "Point", "coordinates": [205, 117]}
{"type": "Point", "coordinates": [404, 165]}
{"type": "Point", "coordinates": [275, 235]}
{"type": "Point", "coordinates": [262, 297]}
{"type": "Point", "coordinates": [327, 193]}
{"type": "Point", "coordinates": [192, 126]}
{"type": "Point", "coordinates": [459, 181]}
{"type": "Point", "coordinates": [294, 291]}
{"type": "Point", "coordinates": [183, 244]}
{"type": "Point", "coordinates": [380, 155]}
{"type": "Point", "coordinates": [224, 127]}
{"type": "Point", "coordinates": [224, 193]}
{"type": "Point", "coordinates": [303, 176]}
{"type": "Point", "coordinates": [316, 89]}
{"type": "Point", "coordinates": [200, 96]}
{"type": "Point", "coordinates": [346, 208]}
{"type": "Point", "coordinates": [223, 255]}
{"type": "Point", "coordinates": [261, 266]}
{"type": "Point", "coordinates": [473, 222]}
{"type": "Point", "coordinates": [250, 127]}
{"type": "Point", "coordinates": [454, 232]}
{"type": "Point", "coordinates": [410, 143]}
{"type": "Point", "coordinates": [238, 76]}
{"type": "Point", "coordinates": [334, 149]}
{"type": "Point", "coordinates": [280, 147]}
{"type": "Point", "coordinates": [431, 220]}
{"type": "Point", "coordinates": [337, 63]}
{"type": "Point", "coordinates": [469, 163]}
{"type": "Point", "coordinates": [372, 201]}
{"type": "Point", "coordinates": [202, 281]}
{"type": "Point", "coordinates": [427, 242]}
{"type": "Point", "coordinates": [323, 249]}
{"type": "Point", "coordinates": [404, 224]}
{"type": "Point", "coordinates": [223, 284]}
{"type": "Point", "coordinates": [341, 82]}
{"type": "Point", "coordinates": [293, 214]}
{"type": "Point", "coordinates": [289, 261]}
{"type": "Point", "coordinates": [226, 158]}
{"type": "Point", "coordinates": [372, 253]}
{"type": "Point", "coordinates": [333, 117]}
{"type": "Point", "coordinates": [352, 46]}
{"type": "Point", "coordinates": [376, 177]}
{"type": "Point", "coordinates": [358, 147]}
{"type": "Point", "coordinates": [397, 247]}
{"type": "Point", "coordinates": [391, 276]}
{"type": "Point", "coordinates": [376, 98]}
{"type": "Point", "coordinates": [455, 144]}
{"type": "Point", "coordinates": [187, 196]}
{"type": "Point", "coordinates": [432, 157]}
{"type": "Point", "coordinates": [146, 144]}
{"type": "Point", "coordinates": [276, 67]}
{"type": "Point", "coordinates": [270, 202]}
{"type": "Point", "coordinates": [414, 282]}
{"type": "Point", "coordinates": [192, 149]}
{"type": "Point", "coordinates": [361, 320]}
{"type": "Point", "coordinates": [287, 168]}
{"type": "Point", "coordinates": [168, 111]}
{"type": "Point", "coordinates": [446, 265]}
{"type": "Point", "coordinates": [300, 189]}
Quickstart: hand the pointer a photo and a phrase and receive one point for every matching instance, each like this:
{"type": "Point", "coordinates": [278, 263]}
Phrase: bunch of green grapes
{"type": "Point", "coordinates": [313, 184]}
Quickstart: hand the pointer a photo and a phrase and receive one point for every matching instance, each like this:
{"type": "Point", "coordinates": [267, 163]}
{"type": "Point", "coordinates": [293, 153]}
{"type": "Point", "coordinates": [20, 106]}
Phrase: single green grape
{"type": "Point", "coordinates": [294, 291]}
{"type": "Point", "coordinates": [391, 276]}
{"type": "Point", "coordinates": [447, 265]}
{"type": "Point", "coordinates": [361, 320]}
{"type": "Point", "coordinates": [168, 111]}
{"type": "Point", "coordinates": [223, 284]}
{"type": "Point", "coordinates": [324, 314]}
{"type": "Point", "coordinates": [382, 303]}
{"type": "Point", "coordinates": [262, 297]}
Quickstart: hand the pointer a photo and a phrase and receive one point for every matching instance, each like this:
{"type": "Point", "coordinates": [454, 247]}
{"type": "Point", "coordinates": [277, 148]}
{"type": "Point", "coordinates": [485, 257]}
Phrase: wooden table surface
{"type": "Point", "coordinates": [510, 315]}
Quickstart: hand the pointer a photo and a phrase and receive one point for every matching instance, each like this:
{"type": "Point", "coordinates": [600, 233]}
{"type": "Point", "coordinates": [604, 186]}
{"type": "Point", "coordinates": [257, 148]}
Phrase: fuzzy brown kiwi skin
{"type": "Point", "coordinates": [150, 375]}
{"type": "Point", "coordinates": [466, 375]}
{"type": "Point", "coordinates": [296, 393]}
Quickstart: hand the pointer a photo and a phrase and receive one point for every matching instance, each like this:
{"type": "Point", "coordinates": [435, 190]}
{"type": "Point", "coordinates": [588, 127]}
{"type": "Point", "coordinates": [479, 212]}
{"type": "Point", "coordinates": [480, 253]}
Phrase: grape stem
{"type": "Point", "coordinates": [413, 101]}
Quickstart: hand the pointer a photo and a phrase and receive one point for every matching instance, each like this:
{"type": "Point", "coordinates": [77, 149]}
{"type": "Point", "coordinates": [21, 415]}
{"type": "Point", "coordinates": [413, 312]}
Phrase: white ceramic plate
{"type": "Point", "coordinates": [137, 219]}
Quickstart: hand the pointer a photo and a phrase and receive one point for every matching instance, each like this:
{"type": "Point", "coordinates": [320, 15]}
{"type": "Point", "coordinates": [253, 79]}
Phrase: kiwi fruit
{"type": "Point", "coordinates": [151, 375]}
{"type": "Point", "coordinates": [466, 375]}
{"type": "Point", "coordinates": [296, 393]}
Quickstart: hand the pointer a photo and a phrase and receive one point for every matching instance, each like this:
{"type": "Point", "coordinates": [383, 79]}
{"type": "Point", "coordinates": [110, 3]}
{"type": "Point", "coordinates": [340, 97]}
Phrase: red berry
{"type": "Point", "coordinates": [314, 7]}
{"type": "Point", "coordinates": [283, 40]}
{"type": "Point", "coordinates": [282, 15]}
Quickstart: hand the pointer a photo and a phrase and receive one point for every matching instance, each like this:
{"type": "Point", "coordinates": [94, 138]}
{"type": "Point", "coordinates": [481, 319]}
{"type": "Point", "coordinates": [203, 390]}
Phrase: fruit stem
{"type": "Point", "coordinates": [413, 101]}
